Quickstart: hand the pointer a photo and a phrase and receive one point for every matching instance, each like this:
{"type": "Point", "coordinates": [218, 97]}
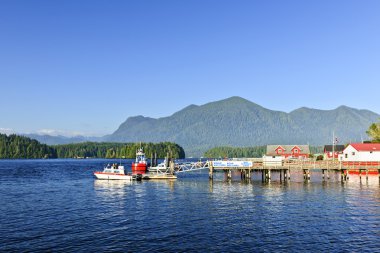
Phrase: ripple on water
{"type": "Point", "coordinates": [57, 205]}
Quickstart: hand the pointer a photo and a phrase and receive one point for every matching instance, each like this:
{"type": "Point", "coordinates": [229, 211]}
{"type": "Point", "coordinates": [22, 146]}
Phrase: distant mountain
{"type": "Point", "coordinates": [238, 122]}
{"type": "Point", "coordinates": [55, 140]}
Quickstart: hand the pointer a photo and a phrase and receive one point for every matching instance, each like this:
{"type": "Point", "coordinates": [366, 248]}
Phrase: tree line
{"type": "Point", "coordinates": [118, 150]}
{"type": "Point", "coordinates": [231, 152]}
{"type": "Point", "coordinates": [16, 146]}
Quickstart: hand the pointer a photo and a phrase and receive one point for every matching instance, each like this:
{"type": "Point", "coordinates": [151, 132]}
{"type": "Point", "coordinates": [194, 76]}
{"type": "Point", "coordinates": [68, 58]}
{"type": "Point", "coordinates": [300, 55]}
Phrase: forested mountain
{"type": "Point", "coordinates": [15, 146]}
{"type": "Point", "coordinates": [238, 122]}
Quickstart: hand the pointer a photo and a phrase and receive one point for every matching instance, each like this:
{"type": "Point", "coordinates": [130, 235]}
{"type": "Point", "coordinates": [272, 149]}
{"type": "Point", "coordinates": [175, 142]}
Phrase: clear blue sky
{"type": "Point", "coordinates": [86, 66]}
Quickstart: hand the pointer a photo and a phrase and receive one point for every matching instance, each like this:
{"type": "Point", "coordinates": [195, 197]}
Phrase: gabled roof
{"type": "Point", "coordinates": [366, 146]}
{"type": "Point", "coordinates": [271, 149]}
{"type": "Point", "coordinates": [337, 148]}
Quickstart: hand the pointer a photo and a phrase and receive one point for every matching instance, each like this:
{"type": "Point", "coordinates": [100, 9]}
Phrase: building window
{"type": "Point", "coordinates": [296, 151]}
{"type": "Point", "coordinates": [353, 153]}
{"type": "Point", "coordinates": [370, 152]}
{"type": "Point", "coordinates": [345, 156]}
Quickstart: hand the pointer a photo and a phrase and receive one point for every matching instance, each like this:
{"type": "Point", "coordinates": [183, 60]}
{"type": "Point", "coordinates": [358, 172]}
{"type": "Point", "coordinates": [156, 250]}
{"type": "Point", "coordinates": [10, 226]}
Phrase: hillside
{"type": "Point", "coordinates": [238, 122]}
{"type": "Point", "coordinates": [15, 147]}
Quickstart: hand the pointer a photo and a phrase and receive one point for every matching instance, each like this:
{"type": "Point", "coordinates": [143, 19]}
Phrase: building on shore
{"type": "Point", "coordinates": [288, 151]}
{"type": "Point", "coordinates": [331, 151]}
{"type": "Point", "coordinates": [361, 152]}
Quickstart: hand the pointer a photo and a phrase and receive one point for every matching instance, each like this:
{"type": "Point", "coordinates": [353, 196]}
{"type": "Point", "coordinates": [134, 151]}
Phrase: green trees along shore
{"type": "Point", "coordinates": [15, 146]}
{"type": "Point", "coordinates": [20, 147]}
{"type": "Point", "coordinates": [118, 150]}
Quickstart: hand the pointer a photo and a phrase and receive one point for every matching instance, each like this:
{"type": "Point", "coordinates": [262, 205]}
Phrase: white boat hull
{"type": "Point", "coordinates": [110, 176]}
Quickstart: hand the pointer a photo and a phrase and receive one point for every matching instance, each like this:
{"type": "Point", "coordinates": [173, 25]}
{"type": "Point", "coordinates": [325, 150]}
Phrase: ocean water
{"type": "Point", "coordinates": [57, 205]}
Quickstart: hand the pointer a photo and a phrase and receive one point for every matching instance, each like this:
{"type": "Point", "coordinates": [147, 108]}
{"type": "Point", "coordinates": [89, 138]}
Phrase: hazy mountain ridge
{"type": "Point", "coordinates": [56, 140]}
{"type": "Point", "coordinates": [238, 122]}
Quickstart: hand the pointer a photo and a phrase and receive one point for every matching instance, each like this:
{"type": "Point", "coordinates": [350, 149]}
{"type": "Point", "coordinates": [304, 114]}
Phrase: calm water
{"type": "Point", "coordinates": [56, 205]}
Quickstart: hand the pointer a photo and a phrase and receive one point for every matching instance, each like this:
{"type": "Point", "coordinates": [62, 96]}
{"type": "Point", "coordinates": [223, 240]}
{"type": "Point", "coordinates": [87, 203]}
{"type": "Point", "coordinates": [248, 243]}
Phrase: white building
{"type": "Point", "coordinates": [361, 152]}
{"type": "Point", "coordinates": [273, 160]}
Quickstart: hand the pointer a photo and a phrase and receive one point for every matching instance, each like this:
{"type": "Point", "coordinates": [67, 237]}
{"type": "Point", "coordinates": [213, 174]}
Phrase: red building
{"type": "Point", "coordinates": [288, 151]}
{"type": "Point", "coordinates": [328, 151]}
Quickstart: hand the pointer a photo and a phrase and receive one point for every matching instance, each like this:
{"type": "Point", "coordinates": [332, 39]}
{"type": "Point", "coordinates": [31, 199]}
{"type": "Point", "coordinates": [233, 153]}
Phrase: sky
{"type": "Point", "coordinates": [84, 67]}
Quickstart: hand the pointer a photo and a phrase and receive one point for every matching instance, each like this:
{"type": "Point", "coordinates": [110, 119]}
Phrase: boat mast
{"type": "Point", "coordinates": [333, 147]}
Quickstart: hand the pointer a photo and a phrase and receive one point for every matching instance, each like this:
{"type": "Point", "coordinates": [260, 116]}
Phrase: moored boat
{"type": "Point", "coordinates": [140, 165]}
{"type": "Point", "coordinates": [113, 172]}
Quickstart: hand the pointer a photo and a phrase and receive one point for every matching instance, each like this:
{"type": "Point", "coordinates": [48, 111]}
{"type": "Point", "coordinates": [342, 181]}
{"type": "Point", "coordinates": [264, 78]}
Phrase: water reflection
{"type": "Point", "coordinates": [111, 189]}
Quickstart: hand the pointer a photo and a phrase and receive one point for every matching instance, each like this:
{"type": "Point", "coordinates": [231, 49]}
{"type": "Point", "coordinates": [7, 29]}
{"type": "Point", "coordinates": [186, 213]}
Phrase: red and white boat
{"type": "Point", "coordinates": [113, 172]}
{"type": "Point", "coordinates": [140, 166]}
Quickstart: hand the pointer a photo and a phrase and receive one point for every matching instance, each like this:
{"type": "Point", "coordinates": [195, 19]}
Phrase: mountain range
{"type": "Point", "coordinates": [238, 122]}
{"type": "Point", "coordinates": [59, 139]}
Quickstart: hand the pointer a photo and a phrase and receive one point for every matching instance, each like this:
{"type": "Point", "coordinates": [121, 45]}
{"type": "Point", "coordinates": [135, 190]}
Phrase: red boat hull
{"type": "Point", "coordinates": [139, 168]}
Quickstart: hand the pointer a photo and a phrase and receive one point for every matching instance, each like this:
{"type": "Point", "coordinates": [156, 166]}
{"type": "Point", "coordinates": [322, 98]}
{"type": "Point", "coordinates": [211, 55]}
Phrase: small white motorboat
{"type": "Point", "coordinates": [113, 172]}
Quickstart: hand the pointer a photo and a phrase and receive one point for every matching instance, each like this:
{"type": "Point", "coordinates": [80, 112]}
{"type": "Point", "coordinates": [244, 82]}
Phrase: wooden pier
{"type": "Point", "coordinates": [286, 168]}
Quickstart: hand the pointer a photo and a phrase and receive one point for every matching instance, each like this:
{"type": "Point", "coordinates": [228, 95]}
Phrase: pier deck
{"type": "Point", "coordinates": [285, 168]}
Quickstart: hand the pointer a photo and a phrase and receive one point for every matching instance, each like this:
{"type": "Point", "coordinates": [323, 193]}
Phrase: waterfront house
{"type": "Point", "coordinates": [288, 151]}
{"type": "Point", "coordinates": [361, 152]}
{"type": "Point", "coordinates": [328, 151]}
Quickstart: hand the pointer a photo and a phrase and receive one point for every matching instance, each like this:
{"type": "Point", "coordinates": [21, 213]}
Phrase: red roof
{"type": "Point", "coordinates": [366, 146]}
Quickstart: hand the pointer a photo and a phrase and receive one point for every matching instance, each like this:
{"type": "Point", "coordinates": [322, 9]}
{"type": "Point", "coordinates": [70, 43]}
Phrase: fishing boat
{"type": "Point", "coordinates": [140, 165]}
{"type": "Point", "coordinates": [113, 172]}
{"type": "Point", "coordinates": [161, 171]}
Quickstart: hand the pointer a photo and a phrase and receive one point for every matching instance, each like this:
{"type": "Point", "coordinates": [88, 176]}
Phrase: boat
{"type": "Point", "coordinates": [161, 167]}
{"type": "Point", "coordinates": [113, 172]}
{"type": "Point", "coordinates": [161, 171]}
{"type": "Point", "coordinates": [140, 165]}
{"type": "Point", "coordinates": [140, 168]}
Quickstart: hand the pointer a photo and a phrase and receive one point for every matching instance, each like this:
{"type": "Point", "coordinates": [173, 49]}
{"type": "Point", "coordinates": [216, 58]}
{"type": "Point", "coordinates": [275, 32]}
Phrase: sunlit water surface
{"type": "Point", "coordinates": [57, 205]}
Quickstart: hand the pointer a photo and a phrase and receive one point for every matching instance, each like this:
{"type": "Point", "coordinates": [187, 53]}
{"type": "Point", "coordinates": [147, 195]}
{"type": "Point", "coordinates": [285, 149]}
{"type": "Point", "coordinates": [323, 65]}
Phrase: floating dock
{"type": "Point", "coordinates": [159, 176]}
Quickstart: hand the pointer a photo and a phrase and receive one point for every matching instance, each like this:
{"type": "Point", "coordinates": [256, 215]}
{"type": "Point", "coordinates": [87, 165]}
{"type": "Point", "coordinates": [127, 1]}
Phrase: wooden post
{"type": "Point", "coordinates": [327, 171]}
{"type": "Point", "coordinates": [323, 174]}
{"type": "Point", "coordinates": [269, 176]}
{"type": "Point", "coordinates": [171, 167]}
{"type": "Point", "coordinates": [280, 175]}
{"type": "Point", "coordinates": [210, 172]}
{"type": "Point", "coordinates": [366, 174]}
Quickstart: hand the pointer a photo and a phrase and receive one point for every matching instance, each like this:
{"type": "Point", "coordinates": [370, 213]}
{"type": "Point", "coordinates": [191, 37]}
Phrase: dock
{"type": "Point", "coordinates": [284, 168]}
